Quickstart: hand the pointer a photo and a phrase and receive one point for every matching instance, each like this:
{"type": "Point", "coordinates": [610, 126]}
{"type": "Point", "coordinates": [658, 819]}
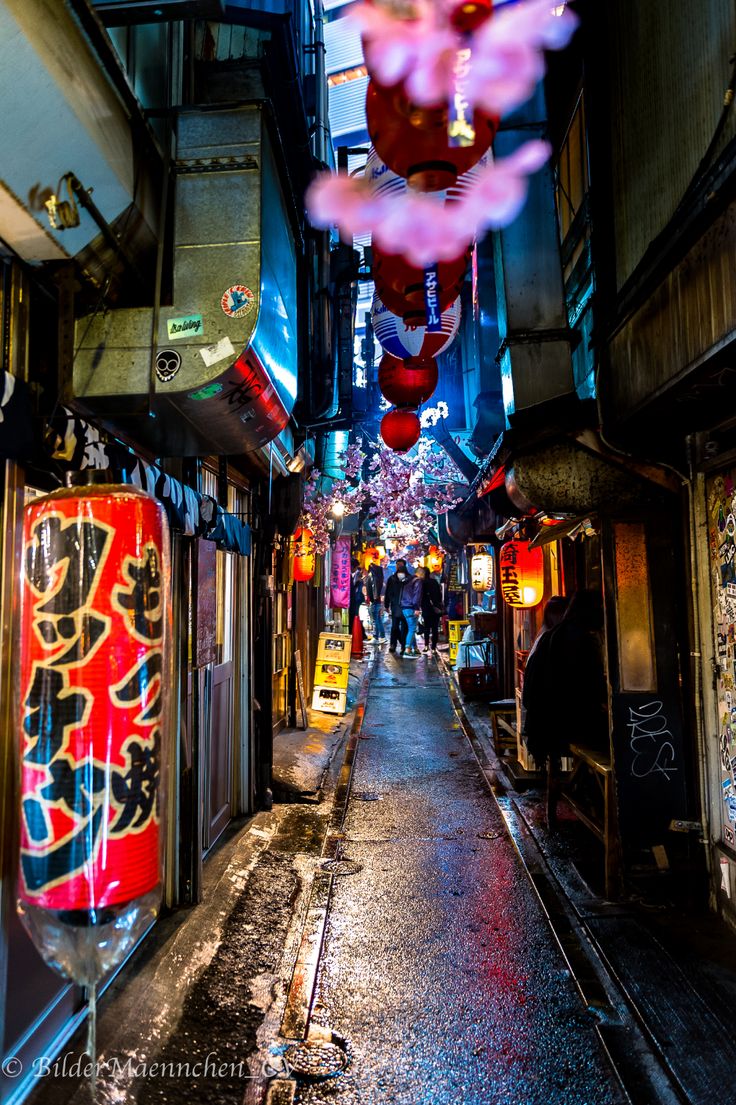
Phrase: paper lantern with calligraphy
{"type": "Point", "coordinates": [414, 141]}
{"type": "Point", "coordinates": [521, 574]}
{"type": "Point", "coordinates": [94, 636]}
{"type": "Point", "coordinates": [481, 571]}
{"type": "Point", "coordinates": [305, 560]}
{"type": "Point", "coordinates": [405, 342]}
{"type": "Point", "coordinates": [401, 286]}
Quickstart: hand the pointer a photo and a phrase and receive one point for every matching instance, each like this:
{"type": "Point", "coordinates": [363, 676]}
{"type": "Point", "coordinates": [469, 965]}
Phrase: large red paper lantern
{"type": "Point", "coordinates": [401, 286]}
{"type": "Point", "coordinates": [413, 141]}
{"type": "Point", "coordinates": [304, 556]}
{"type": "Point", "coordinates": [400, 430]}
{"type": "Point", "coordinates": [467, 15]}
{"type": "Point", "coordinates": [94, 625]}
{"type": "Point", "coordinates": [521, 572]}
{"type": "Point", "coordinates": [407, 383]}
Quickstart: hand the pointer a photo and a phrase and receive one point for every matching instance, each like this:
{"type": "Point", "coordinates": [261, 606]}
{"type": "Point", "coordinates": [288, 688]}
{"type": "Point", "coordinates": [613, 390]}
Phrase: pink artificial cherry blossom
{"type": "Point", "coordinates": [415, 225]}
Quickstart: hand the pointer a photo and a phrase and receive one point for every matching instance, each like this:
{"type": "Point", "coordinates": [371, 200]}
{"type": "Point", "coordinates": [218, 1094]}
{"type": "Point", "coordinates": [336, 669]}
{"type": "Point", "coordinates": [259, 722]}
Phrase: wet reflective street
{"type": "Point", "coordinates": [439, 968]}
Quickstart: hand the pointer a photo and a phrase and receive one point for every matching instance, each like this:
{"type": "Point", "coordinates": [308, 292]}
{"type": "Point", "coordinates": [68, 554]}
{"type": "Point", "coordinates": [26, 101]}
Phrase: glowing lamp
{"type": "Point", "coordinates": [400, 430]}
{"type": "Point", "coordinates": [304, 556]}
{"type": "Point", "coordinates": [338, 508]}
{"type": "Point", "coordinates": [521, 572]}
{"type": "Point", "coordinates": [407, 383]}
{"type": "Point", "coordinates": [414, 141]}
{"type": "Point", "coordinates": [481, 571]}
{"type": "Point", "coordinates": [435, 559]}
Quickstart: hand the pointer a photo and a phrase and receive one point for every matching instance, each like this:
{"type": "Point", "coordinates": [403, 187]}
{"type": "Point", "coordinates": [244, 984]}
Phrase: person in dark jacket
{"type": "Point", "coordinates": [392, 602]}
{"type": "Point", "coordinates": [373, 584]}
{"type": "Point", "coordinates": [536, 720]}
{"type": "Point", "coordinates": [432, 608]}
{"type": "Point", "coordinates": [573, 685]}
{"type": "Point", "coordinates": [411, 608]}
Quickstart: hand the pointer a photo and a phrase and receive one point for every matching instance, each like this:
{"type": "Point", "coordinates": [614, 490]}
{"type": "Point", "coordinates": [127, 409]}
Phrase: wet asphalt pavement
{"type": "Point", "coordinates": [438, 967]}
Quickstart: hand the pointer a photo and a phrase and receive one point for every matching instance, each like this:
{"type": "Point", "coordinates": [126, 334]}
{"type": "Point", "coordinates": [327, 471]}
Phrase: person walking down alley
{"type": "Point", "coordinates": [432, 608]}
{"type": "Point", "coordinates": [411, 608]}
{"type": "Point", "coordinates": [392, 602]}
{"type": "Point", "coordinates": [373, 586]}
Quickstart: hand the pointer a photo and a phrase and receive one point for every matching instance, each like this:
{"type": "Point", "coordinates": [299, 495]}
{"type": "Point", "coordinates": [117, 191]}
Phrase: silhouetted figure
{"type": "Point", "coordinates": [432, 608]}
{"type": "Point", "coordinates": [571, 688]}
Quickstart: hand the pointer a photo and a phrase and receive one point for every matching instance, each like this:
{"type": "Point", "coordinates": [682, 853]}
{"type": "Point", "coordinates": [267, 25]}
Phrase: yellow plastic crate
{"type": "Point", "coordinates": [328, 673]}
{"type": "Point", "coordinates": [456, 630]}
{"type": "Point", "coordinates": [335, 647]}
{"type": "Point", "coordinates": [329, 700]}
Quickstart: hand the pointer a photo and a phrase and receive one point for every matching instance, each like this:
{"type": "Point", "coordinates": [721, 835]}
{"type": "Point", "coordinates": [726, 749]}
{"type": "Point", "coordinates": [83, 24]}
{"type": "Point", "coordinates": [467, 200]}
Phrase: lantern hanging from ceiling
{"type": "Point", "coordinates": [373, 555]}
{"type": "Point", "coordinates": [435, 559]}
{"type": "Point", "coordinates": [403, 288]}
{"type": "Point", "coordinates": [407, 383]}
{"type": "Point", "coordinates": [400, 430]}
{"type": "Point", "coordinates": [414, 141]}
{"type": "Point", "coordinates": [95, 612]}
{"type": "Point", "coordinates": [305, 560]}
{"type": "Point", "coordinates": [405, 342]}
{"type": "Point", "coordinates": [521, 574]}
{"type": "Point", "coordinates": [482, 576]}
{"type": "Point", "coordinates": [467, 15]}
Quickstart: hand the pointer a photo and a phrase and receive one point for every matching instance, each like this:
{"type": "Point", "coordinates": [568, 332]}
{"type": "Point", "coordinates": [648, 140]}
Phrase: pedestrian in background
{"type": "Point", "coordinates": [432, 608]}
{"type": "Point", "coordinates": [373, 585]}
{"type": "Point", "coordinates": [411, 608]}
{"type": "Point", "coordinates": [537, 728]}
{"type": "Point", "coordinates": [392, 602]}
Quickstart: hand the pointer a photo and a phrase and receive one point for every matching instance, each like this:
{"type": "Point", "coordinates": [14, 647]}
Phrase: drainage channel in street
{"type": "Point", "coordinates": [313, 1051]}
{"type": "Point", "coordinates": [640, 1067]}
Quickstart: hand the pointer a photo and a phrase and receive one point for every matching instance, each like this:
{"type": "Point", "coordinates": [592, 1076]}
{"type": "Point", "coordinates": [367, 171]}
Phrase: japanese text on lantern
{"type": "Point", "coordinates": [91, 718]}
{"type": "Point", "coordinates": [510, 582]}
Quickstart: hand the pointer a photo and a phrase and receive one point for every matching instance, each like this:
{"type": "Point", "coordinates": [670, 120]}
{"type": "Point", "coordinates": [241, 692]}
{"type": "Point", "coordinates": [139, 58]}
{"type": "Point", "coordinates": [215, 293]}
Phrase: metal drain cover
{"type": "Point", "coordinates": [341, 866]}
{"type": "Point", "coordinates": [367, 796]}
{"type": "Point", "coordinates": [316, 1061]}
{"type": "Point", "coordinates": [491, 835]}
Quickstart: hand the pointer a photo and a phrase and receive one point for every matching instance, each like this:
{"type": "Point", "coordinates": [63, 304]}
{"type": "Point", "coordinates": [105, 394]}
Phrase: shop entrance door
{"type": "Point", "coordinates": [219, 759]}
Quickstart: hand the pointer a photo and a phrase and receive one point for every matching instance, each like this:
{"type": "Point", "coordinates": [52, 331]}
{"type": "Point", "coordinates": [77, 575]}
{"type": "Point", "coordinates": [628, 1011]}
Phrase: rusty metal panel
{"type": "Point", "coordinates": [669, 68]}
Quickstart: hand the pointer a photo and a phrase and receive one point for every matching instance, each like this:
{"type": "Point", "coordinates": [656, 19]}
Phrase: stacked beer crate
{"type": "Point", "coordinates": [331, 673]}
{"type": "Point", "coordinates": [455, 634]}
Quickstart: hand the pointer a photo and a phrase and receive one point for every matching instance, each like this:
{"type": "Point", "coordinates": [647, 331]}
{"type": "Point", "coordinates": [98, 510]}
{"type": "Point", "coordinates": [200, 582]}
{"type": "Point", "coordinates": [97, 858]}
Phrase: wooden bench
{"type": "Point", "coordinates": [590, 791]}
{"type": "Point", "coordinates": [504, 732]}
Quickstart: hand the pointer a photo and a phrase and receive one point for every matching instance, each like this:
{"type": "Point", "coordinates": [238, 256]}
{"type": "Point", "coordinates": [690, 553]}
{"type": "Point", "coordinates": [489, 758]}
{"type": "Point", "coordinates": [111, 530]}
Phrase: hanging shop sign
{"type": "Point", "coordinates": [340, 575]}
{"type": "Point", "coordinates": [482, 576]}
{"type": "Point", "coordinates": [521, 573]}
{"type": "Point", "coordinates": [305, 559]}
{"type": "Point", "coordinates": [94, 629]}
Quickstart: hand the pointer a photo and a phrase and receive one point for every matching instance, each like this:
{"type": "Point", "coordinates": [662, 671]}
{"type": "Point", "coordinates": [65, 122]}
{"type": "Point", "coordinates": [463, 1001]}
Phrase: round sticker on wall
{"type": "Point", "coordinates": [237, 301]}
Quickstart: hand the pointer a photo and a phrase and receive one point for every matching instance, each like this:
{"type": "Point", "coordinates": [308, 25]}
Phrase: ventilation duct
{"type": "Point", "coordinates": [225, 375]}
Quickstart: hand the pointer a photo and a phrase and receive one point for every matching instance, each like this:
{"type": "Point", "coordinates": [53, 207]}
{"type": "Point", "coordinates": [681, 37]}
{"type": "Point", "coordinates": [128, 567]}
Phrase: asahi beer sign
{"type": "Point", "coordinates": [432, 300]}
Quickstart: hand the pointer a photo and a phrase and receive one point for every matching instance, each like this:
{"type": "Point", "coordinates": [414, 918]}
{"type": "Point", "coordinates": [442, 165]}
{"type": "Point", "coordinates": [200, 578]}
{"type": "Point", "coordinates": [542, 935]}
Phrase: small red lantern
{"type": "Point", "coordinates": [400, 430]}
{"type": "Point", "coordinates": [467, 15]}
{"type": "Point", "coordinates": [413, 141]}
{"type": "Point", "coordinates": [521, 572]}
{"type": "Point", "coordinates": [407, 383]}
{"type": "Point", "coordinates": [304, 558]}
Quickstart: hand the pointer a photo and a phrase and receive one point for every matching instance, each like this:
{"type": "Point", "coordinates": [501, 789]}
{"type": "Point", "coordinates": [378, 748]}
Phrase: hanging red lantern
{"type": "Point", "coordinates": [402, 287]}
{"type": "Point", "coordinates": [467, 15]}
{"type": "Point", "coordinates": [94, 627]}
{"type": "Point", "coordinates": [521, 572]}
{"type": "Point", "coordinates": [305, 560]}
{"type": "Point", "coordinates": [374, 555]}
{"type": "Point", "coordinates": [413, 141]}
{"type": "Point", "coordinates": [407, 383]}
{"type": "Point", "coordinates": [403, 341]}
{"type": "Point", "coordinates": [400, 430]}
